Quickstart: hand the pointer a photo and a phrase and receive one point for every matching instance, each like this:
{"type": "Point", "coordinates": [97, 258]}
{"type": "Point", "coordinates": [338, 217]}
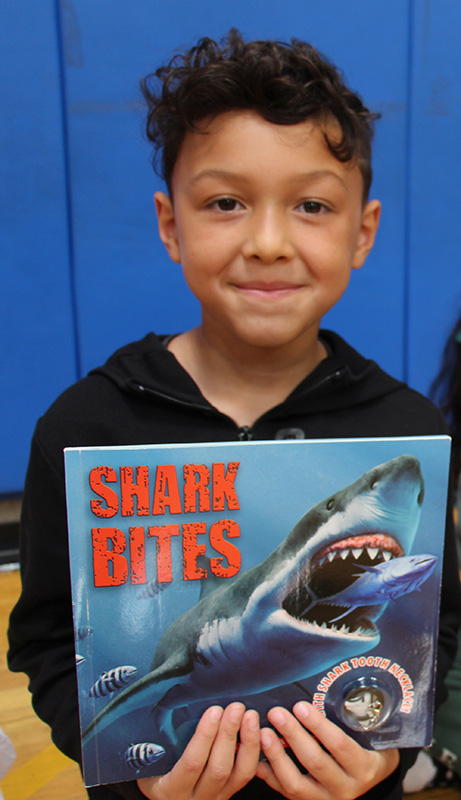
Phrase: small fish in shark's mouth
{"type": "Point", "coordinates": [332, 569]}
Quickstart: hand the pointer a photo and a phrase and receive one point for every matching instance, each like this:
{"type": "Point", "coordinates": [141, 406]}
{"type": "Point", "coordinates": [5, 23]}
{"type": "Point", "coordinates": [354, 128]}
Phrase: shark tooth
{"type": "Point", "coordinates": [331, 555]}
{"type": "Point", "coordinates": [387, 555]}
{"type": "Point", "coordinates": [344, 554]}
{"type": "Point", "coordinates": [357, 552]}
{"type": "Point", "coordinates": [372, 552]}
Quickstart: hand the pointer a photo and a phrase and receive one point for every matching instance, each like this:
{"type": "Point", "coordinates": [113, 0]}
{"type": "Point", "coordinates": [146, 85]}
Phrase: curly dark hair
{"type": "Point", "coordinates": [446, 392]}
{"type": "Point", "coordinates": [284, 83]}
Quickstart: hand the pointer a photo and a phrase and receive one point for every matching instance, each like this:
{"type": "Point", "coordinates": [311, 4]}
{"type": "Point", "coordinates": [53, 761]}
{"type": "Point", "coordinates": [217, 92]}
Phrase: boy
{"type": "Point", "coordinates": [266, 156]}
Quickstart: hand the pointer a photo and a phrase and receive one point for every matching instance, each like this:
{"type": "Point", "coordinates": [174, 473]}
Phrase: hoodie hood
{"type": "Point", "coordinates": [342, 380]}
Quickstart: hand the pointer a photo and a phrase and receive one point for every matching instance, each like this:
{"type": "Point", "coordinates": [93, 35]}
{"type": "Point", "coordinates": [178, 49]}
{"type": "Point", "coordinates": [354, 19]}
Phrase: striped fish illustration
{"type": "Point", "coordinates": [83, 632]}
{"type": "Point", "coordinates": [112, 680]}
{"type": "Point", "coordinates": [143, 754]}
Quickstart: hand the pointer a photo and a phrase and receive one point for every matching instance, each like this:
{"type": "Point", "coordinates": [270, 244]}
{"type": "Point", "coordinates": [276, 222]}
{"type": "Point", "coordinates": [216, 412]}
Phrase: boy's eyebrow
{"type": "Point", "coordinates": [238, 176]}
{"type": "Point", "coordinates": [217, 173]}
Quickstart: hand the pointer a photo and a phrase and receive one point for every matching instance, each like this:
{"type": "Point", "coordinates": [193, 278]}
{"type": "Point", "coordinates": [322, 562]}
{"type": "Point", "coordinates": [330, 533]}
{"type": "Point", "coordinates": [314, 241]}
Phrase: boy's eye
{"type": "Point", "coordinates": [311, 207]}
{"type": "Point", "coordinates": [226, 204]}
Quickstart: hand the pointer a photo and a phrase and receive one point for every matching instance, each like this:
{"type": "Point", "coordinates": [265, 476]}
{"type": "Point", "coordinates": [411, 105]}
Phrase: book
{"type": "Point", "coordinates": [266, 572]}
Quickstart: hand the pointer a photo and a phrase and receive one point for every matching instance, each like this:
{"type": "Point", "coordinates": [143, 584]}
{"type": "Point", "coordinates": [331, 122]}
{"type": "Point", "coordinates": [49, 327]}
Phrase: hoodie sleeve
{"type": "Point", "coordinates": [450, 607]}
{"type": "Point", "coordinates": [41, 639]}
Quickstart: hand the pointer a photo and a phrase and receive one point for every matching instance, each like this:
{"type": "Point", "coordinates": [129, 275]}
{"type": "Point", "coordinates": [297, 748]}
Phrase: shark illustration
{"type": "Point", "coordinates": [272, 624]}
{"type": "Point", "coordinates": [385, 581]}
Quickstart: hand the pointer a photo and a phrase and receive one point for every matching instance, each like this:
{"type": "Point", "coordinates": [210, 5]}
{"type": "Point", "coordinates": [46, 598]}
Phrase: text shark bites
{"type": "Point", "coordinates": [204, 489]}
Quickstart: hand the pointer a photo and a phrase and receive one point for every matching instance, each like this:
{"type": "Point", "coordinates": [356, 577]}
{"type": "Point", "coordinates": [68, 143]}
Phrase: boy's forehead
{"type": "Point", "coordinates": [215, 133]}
{"type": "Point", "coordinates": [242, 140]}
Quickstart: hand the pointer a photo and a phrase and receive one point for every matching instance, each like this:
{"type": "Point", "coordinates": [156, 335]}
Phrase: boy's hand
{"type": "Point", "coordinates": [209, 768]}
{"type": "Point", "coordinates": [345, 772]}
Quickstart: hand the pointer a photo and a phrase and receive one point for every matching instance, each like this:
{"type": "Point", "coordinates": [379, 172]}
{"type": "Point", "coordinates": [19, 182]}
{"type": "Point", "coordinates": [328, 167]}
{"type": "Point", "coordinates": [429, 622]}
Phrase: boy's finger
{"type": "Point", "coordinates": [319, 763]}
{"type": "Point", "coordinates": [223, 753]}
{"type": "Point", "coordinates": [248, 752]}
{"type": "Point", "coordinates": [188, 769]}
{"type": "Point", "coordinates": [345, 750]}
{"type": "Point", "coordinates": [280, 772]}
{"type": "Point", "coordinates": [358, 766]}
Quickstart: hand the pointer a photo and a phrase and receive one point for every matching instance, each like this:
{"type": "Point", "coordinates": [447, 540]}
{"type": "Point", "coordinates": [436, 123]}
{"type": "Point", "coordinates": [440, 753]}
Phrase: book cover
{"type": "Point", "coordinates": [266, 572]}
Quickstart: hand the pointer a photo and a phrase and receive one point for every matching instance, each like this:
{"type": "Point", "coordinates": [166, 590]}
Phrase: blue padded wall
{"type": "Point", "coordinates": [434, 199]}
{"type": "Point", "coordinates": [117, 254]}
{"type": "Point", "coordinates": [37, 351]}
{"type": "Point", "coordinates": [83, 271]}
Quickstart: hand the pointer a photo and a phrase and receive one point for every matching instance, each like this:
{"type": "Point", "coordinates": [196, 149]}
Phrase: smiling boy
{"type": "Point", "coordinates": [266, 156]}
{"type": "Point", "coordinates": [267, 224]}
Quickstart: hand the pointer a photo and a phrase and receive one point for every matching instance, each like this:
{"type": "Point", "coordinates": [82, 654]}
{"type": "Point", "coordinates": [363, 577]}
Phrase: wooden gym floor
{"type": "Point", "coordinates": [40, 771]}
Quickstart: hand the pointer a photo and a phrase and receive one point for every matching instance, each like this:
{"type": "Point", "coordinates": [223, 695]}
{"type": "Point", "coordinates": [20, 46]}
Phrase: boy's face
{"type": "Point", "coordinates": [267, 225]}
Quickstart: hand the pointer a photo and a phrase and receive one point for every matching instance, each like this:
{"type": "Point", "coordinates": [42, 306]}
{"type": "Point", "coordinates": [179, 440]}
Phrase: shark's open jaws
{"type": "Point", "coordinates": [272, 624]}
{"type": "Point", "coordinates": [333, 569]}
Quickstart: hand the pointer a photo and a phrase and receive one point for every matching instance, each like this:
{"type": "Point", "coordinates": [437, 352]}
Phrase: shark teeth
{"type": "Point", "coordinates": [345, 630]}
{"type": "Point", "coordinates": [356, 553]}
{"type": "Point", "coordinates": [368, 548]}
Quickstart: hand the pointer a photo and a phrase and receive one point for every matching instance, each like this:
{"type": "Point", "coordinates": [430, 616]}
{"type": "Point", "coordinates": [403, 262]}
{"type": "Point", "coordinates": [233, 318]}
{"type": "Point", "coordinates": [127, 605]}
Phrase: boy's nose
{"type": "Point", "coordinates": [268, 239]}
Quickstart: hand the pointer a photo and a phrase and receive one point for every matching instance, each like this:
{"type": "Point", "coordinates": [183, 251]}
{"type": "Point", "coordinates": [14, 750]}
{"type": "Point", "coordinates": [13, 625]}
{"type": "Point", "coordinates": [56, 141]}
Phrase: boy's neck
{"type": "Point", "coordinates": [245, 385]}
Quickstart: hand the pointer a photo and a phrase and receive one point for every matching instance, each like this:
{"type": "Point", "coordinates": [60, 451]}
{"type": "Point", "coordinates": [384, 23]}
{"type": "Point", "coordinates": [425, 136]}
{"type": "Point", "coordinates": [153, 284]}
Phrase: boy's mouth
{"type": "Point", "coordinates": [272, 289]}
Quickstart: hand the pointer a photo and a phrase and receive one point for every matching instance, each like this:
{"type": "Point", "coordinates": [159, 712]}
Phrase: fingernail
{"type": "Point", "coordinates": [278, 717]}
{"type": "Point", "coordinates": [236, 713]}
{"type": "Point", "coordinates": [215, 713]}
{"type": "Point", "coordinates": [301, 709]}
{"type": "Point", "coordinates": [266, 738]}
{"type": "Point", "coordinates": [253, 721]}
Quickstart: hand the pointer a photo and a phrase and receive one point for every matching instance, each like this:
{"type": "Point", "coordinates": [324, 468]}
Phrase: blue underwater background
{"type": "Point", "coordinates": [276, 483]}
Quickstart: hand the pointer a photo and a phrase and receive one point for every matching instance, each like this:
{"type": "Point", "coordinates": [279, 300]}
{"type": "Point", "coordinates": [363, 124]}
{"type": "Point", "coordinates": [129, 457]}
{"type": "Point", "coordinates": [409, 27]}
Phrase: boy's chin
{"type": "Point", "coordinates": [270, 338]}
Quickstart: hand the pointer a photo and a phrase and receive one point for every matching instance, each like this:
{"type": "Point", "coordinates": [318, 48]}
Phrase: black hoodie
{"type": "Point", "coordinates": [143, 396]}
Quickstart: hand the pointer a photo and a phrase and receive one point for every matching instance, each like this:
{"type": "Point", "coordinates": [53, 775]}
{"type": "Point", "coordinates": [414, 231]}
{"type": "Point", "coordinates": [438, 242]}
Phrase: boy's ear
{"type": "Point", "coordinates": [167, 225]}
{"type": "Point", "coordinates": [368, 228]}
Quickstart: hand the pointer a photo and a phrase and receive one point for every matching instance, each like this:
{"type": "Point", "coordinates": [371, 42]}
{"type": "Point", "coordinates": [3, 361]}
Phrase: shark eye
{"type": "Point", "coordinates": [374, 483]}
{"type": "Point", "coordinates": [330, 503]}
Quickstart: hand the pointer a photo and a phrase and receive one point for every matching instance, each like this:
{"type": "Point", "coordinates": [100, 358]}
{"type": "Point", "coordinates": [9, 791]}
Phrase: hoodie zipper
{"type": "Point", "coordinates": [245, 432]}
